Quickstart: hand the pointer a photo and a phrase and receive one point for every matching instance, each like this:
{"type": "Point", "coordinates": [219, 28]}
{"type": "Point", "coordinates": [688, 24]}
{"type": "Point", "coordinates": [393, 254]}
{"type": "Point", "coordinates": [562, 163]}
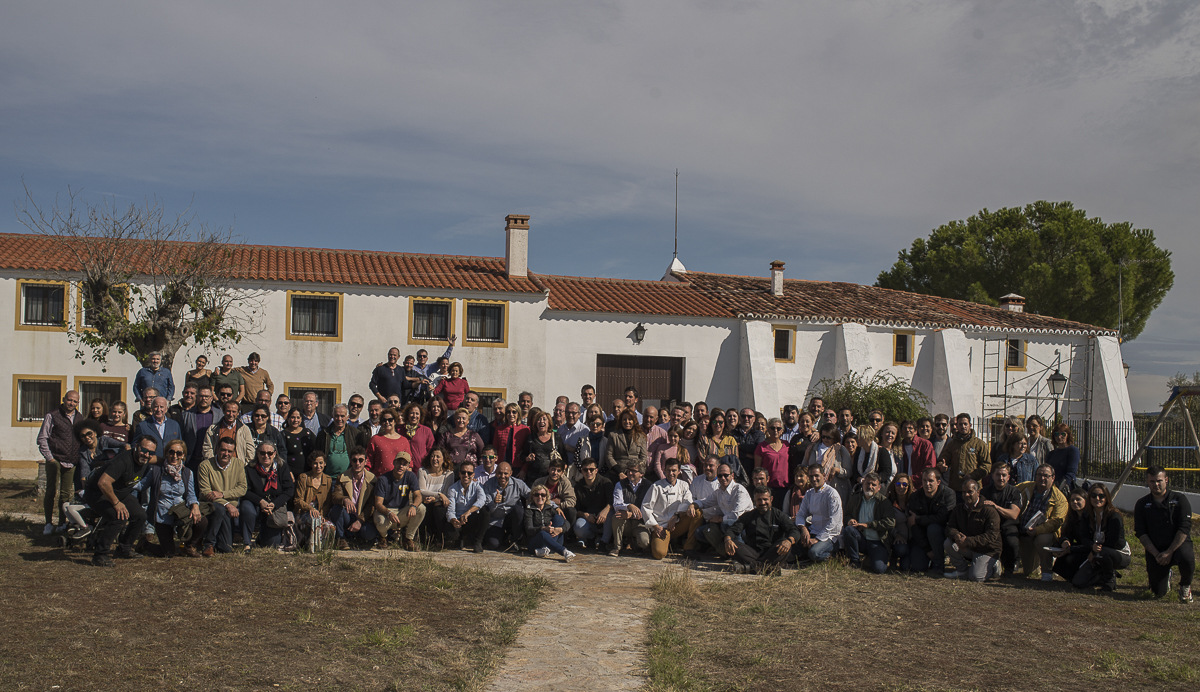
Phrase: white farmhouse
{"type": "Point", "coordinates": [331, 315]}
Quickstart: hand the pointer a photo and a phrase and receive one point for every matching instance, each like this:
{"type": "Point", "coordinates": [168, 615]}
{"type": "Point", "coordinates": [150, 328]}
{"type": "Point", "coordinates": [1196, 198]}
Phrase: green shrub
{"type": "Point", "coordinates": [865, 392]}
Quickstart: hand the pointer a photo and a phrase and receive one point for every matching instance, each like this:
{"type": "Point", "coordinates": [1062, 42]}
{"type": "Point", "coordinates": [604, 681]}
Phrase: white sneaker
{"type": "Point", "coordinates": [48, 530]}
{"type": "Point", "coordinates": [541, 552]}
{"type": "Point", "coordinates": [1047, 576]}
{"type": "Point", "coordinates": [952, 575]}
{"type": "Point", "coordinates": [568, 555]}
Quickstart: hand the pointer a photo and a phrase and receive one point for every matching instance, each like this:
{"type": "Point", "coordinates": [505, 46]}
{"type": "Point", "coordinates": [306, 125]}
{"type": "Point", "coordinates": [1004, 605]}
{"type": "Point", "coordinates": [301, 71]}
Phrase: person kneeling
{"type": "Point", "coordinates": [269, 489]}
{"type": "Point", "coordinates": [398, 503]}
{"type": "Point", "coordinates": [769, 535]}
{"type": "Point", "coordinates": [352, 502]}
{"type": "Point", "coordinates": [973, 536]}
{"type": "Point", "coordinates": [869, 531]}
{"type": "Point", "coordinates": [668, 512]}
{"type": "Point", "coordinates": [465, 517]}
{"type": "Point", "coordinates": [823, 507]}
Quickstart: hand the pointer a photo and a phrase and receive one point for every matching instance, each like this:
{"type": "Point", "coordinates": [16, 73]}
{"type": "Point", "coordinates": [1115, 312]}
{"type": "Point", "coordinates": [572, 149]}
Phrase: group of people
{"type": "Point", "coordinates": [421, 464]}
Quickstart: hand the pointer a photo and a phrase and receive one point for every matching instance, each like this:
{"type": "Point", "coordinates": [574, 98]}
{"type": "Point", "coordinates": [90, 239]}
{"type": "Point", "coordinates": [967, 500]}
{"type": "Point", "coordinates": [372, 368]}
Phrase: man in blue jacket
{"type": "Point", "coordinates": [158, 427]}
{"type": "Point", "coordinates": [156, 376]}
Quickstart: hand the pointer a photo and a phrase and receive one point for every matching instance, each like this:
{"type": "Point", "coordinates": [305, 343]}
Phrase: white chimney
{"type": "Point", "coordinates": [1013, 302]}
{"type": "Point", "coordinates": [516, 245]}
{"type": "Point", "coordinates": [777, 278]}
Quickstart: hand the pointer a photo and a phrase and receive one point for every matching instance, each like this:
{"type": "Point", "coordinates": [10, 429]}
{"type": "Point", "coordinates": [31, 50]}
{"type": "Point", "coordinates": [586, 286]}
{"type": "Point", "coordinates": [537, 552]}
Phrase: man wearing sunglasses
{"type": "Point", "coordinates": [941, 433]}
{"type": "Point", "coordinates": [748, 437]}
{"type": "Point", "coordinates": [593, 505]}
{"type": "Point", "coordinates": [1041, 521]}
{"type": "Point", "coordinates": [723, 508]}
{"type": "Point", "coordinates": [111, 495]}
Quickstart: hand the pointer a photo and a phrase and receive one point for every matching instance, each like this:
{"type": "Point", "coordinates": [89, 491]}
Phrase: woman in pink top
{"type": "Point", "coordinates": [383, 447]}
{"type": "Point", "coordinates": [670, 448]}
{"type": "Point", "coordinates": [772, 455]}
{"type": "Point", "coordinates": [420, 437]}
{"type": "Point", "coordinates": [453, 388]}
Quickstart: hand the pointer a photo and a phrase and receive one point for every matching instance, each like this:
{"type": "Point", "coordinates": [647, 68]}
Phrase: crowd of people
{"type": "Point", "coordinates": [420, 465]}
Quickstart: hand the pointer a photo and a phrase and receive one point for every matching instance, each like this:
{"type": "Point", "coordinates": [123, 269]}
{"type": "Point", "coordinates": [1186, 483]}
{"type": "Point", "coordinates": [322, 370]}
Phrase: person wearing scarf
{"type": "Point", "coordinates": [269, 486]}
{"type": "Point", "coordinates": [173, 504]}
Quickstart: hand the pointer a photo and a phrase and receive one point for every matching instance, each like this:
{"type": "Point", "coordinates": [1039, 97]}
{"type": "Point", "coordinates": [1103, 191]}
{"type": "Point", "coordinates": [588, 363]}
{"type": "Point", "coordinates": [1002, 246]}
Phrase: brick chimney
{"type": "Point", "coordinates": [777, 278]}
{"type": "Point", "coordinates": [516, 245]}
{"type": "Point", "coordinates": [1013, 302]}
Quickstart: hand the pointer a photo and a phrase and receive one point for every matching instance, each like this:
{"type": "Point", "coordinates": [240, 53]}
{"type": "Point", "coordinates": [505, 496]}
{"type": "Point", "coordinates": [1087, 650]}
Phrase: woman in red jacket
{"type": "Point", "coordinates": [453, 388]}
{"type": "Point", "coordinates": [510, 438]}
{"type": "Point", "coordinates": [916, 452]}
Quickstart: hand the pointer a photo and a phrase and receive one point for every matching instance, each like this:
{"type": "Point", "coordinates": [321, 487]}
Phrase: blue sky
{"type": "Point", "coordinates": [828, 135]}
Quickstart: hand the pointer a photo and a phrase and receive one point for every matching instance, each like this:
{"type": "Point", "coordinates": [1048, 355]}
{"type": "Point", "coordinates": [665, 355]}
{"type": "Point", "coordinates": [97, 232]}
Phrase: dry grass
{"type": "Point", "coordinates": [19, 496]}
{"type": "Point", "coordinates": [831, 627]}
{"type": "Point", "coordinates": [268, 621]}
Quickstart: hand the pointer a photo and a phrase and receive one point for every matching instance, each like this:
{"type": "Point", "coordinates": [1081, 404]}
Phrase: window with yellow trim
{"type": "Point", "coordinates": [486, 323]}
{"type": "Point", "coordinates": [903, 345]}
{"type": "Point", "coordinates": [314, 316]}
{"type": "Point", "coordinates": [430, 319]}
{"type": "Point", "coordinates": [328, 395]}
{"type": "Point", "coordinates": [1015, 359]}
{"type": "Point", "coordinates": [785, 344]}
{"type": "Point", "coordinates": [41, 305]}
{"type": "Point", "coordinates": [34, 396]}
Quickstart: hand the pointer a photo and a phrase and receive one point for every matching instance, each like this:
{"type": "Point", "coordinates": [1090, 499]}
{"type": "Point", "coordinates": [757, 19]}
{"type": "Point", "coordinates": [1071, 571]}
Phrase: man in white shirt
{"type": "Point", "coordinates": [573, 430]}
{"type": "Point", "coordinates": [721, 509]}
{"type": "Point", "coordinates": [703, 487]}
{"type": "Point", "coordinates": [823, 506]}
{"type": "Point", "coordinates": [668, 511]}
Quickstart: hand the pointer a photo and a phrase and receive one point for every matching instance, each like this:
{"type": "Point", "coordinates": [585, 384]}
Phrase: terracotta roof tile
{"type": "Point", "coordinates": [271, 263]}
{"type": "Point", "coordinates": [629, 296]}
{"type": "Point", "coordinates": [835, 301]}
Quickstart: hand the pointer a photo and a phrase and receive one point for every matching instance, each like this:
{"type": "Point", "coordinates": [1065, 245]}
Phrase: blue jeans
{"type": "Point", "coordinates": [342, 520]}
{"type": "Point", "coordinates": [929, 539]}
{"type": "Point", "coordinates": [821, 550]}
{"type": "Point", "coordinates": [900, 557]}
{"type": "Point", "coordinates": [857, 544]}
{"type": "Point", "coordinates": [542, 539]}
{"type": "Point", "coordinates": [252, 516]}
{"type": "Point", "coordinates": [586, 532]}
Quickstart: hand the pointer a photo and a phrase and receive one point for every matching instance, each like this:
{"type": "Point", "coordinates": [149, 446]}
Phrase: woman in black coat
{"type": "Point", "coordinates": [269, 488]}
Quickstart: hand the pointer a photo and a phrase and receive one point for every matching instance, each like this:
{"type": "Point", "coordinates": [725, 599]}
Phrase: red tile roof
{"type": "Point", "coordinates": [272, 263]}
{"type": "Point", "coordinates": [835, 301]}
{"type": "Point", "coordinates": [628, 296]}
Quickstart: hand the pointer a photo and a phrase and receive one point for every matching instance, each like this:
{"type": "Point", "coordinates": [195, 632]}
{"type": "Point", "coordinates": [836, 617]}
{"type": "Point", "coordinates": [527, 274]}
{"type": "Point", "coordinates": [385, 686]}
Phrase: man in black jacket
{"type": "Point", "coordinates": [768, 535]}
{"type": "Point", "coordinates": [928, 512]}
{"type": "Point", "coordinates": [973, 536]}
{"type": "Point", "coordinates": [110, 494]}
{"type": "Point", "coordinates": [1006, 500]}
{"type": "Point", "coordinates": [1162, 521]}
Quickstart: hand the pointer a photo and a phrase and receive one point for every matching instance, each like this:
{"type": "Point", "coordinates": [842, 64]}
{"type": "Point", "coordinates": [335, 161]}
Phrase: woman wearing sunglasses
{"type": "Point", "coordinates": [833, 458]}
{"type": "Point", "coordinates": [898, 492]}
{"type": "Point", "coordinates": [1094, 539]}
{"type": "Point", "coordinates": [544, 525]}
{"type": "Point", "coordinates": [270, 486]}
{"type": "Point", "coordinates": [1064, 458]}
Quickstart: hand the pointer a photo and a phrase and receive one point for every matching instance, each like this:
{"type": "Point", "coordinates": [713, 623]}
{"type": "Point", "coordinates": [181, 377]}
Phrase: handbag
{"type": "Point", "coordinates": [278, 518]}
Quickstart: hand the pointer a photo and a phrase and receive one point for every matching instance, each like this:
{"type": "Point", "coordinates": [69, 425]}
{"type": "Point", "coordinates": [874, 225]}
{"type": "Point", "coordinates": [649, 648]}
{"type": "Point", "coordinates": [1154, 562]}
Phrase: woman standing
{"type": "Point", "coordinates": [670, 447]}
{"type": "Point", "coordinates": [384, 447]}
{"type": "Point", "coordinates": [437, 416]}
{"type": "Point", "coordinates": [435, 480]}
{"type": "Point", "coordinates": [462, 443]}
{"type": "Point", "coordinates": [865, 456]}
{"type": "Point", "coordinates": [201, 375]}
{"type": "Point", "coordinates": [1064, 458]}
{"type": "Point", "coordinates": [172, 503]}
{"type": "Point", "coordinates": [718, 442]}
{"type": "Point", "coordinates": [298, 443]}
{"type": "Point", "coordinates": [544, 525]}
{"type": "Point", "coordinates": [833, 458]}
{"type": "Point", "coordinates": [890, 455]}
{"type": "Point", "coordinates": [510, 438]}
{"type": "Point", "coordinates": [772, 455]}
{"type": "Point", "coordinates": [269, 489]}
{"type": "Point", "coordinates": [98, 411]}
{"type": "Point", "coordinates": [453, 388]}
{"type": "Point", "coordinates": [249, 437]}
{"type": "Point", "coordinates": [591, 446]}
{"type": "Point", "coordinates": [626, 445]}
{"type": "Point", "coordinates": [117, 426]}
{"type": "Point", "coordinates": [420, 437]}
{"type": "Point", "coordinates": [689, 433]}
{"type": "Point", "coordinates": [541, 447]}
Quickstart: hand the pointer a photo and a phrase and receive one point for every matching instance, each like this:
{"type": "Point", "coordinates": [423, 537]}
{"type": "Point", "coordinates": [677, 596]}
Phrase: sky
{"type": "Point", "coordinates": [827, 135]}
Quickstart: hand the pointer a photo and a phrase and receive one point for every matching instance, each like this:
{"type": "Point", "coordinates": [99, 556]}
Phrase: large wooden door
{"type": "Point", "coordinates": [658, 379]}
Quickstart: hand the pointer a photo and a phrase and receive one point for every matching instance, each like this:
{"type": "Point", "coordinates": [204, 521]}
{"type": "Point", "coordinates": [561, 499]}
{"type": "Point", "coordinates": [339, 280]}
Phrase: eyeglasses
{"type": "Point", "coordinates": [146, 452]}
{"type": "Point", "coordinates": [1060, 434]}
{"type": "Point", "coordinates": [540, 495]}
{"type": "Point", "coordinates": [389, 419]}
{"type": "Point", "coordinates": [1098, 496]}
{"type": "Point", "coordinates": [775, 427]}
{"type": "Point", "coordinates": [876, 420]}
{"type": "Point", "coordinates": [491, 457]}
{"type": "Point", "coordinates": [826, 438]}
{"type": "Point", "coordinates": [259, 416]}
{"type": "Point", "coordinates": [354, 404]}
{"type": "Point", "coordinates": [267, 454]}
{"type": "Point", "coordinates": [1045, 475]}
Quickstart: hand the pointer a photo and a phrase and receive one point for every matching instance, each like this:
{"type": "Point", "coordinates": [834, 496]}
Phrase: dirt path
{"type": "Point", "coordinates": [590, 634]}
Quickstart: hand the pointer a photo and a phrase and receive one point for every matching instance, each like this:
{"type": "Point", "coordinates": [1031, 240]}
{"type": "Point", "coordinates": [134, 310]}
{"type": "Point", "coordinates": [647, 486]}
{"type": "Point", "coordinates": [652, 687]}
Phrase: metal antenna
{"type": "Point", "coordinates": [675, 255]}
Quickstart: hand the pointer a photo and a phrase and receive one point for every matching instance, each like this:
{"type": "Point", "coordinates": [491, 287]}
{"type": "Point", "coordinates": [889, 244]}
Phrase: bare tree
{"type": "Point", "coordinates": [148, 282]}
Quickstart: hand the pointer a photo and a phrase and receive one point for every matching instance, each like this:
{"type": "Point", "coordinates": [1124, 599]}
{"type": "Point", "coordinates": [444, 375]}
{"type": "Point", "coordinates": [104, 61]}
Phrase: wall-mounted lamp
{"type": "Point", "coordinates": [1125, 367]}
{"type": "Point", "coordinates": [639, 333]}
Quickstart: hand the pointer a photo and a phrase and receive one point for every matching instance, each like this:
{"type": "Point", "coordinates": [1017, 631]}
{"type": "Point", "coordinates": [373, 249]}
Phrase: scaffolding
{"type": "Point", "coordinates": [1008, 391]}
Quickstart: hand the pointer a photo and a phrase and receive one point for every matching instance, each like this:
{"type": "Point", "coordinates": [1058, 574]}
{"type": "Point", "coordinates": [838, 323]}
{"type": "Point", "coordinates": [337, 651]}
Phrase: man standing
{"type": "Point", "coordinates": [628, 526]}
{"type": "Point", "coordinates": [868, 532]}
{"type": "Point", "coordinates": [337, 440]}
{"type": "Point", "coordinates": [283, 406]}
{"type": "Point", "coordinates": [965, 456]}
{"type": "Point", "coordinates": [149, 394]}
{"type": "Point", "coordinates": [225, 427]}
{"type": "Point", "coordinates": [572, 430]}
{"type": "Point", "coordinates": [186, 401]}
{"type": "Point", "coordinates": [477, 422]}
{"type": "Point", "coordinates": [370, 427]}
{"type": "Point", "coordinates": [354, 407]}
{"type": "Point", "coordinates": [255, 379]}
{"type": "Point", "coordinates": [1041, 521]}
{"type": "Point", "coordinates": [973, 536]}
{"type": "Point", "coordinates": [632, 399]}
{"type": "Point", "coordinates": [791, 423]}
{"type": "Point", "coordinates": [313, 419]}
{"type": "Point", "coordinates": [667, 511]}
{"type": "Point", "coordinates": [158, 427]}
{"type": "Point", "coordinates": [916, 453]}
{"type": "Point", "coordinates": [465, 510]}
{"type": "Point", "coordinates": [823, 506]}
{"type": "Point", "coordinates": [398, 503]}
{"type": "Point", "coordinates": [223, 483]}
{"type": "Point", "coordinates": [389, 379]}
{"type": "Point", "coordinates": [769, 536]}
{"type": "Point", "coordinates": [816, 406]}
{"type": "Point", "coordinates": [846, 422]}
{"type": "Point", "coordinates": [352, 503]}
{"type": "Point", "coordinates": [928, 512]}
{"type": "Point", "coordinates": [228, 375]}
{"type": "Point", "coordinates": [1162, 521]}
{"type": "Point", "coordinates": [194, 424]}
{"type": "Point", "coordinates": [154, 375]}
{"type": "Point", "coordinates": [650, 426]}
{"type": "Point", "coordinates": [506, 497]}
{"type": "Point", "coordinates": [525, 402]}
{"type": "Point", "coordinates": [940, 434]}
{"type": "Point", "coordinates": [110, 494]}
{"type": "Point", "coordinates": [748, 438]}
{"type": "Point", "coordinates": [60, 449]}
{"type": "Point", "coordinates": [587, 395]}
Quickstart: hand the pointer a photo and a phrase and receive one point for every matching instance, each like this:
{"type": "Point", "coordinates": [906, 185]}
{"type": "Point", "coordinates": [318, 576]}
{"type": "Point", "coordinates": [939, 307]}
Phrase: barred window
{"type": "Point", "coordinates": [43, 305]}
{"type": "Point", "coordinates": [485, 322]}
{"type": "Point", "coordinates": [314, 316]}
{"type": "Point", "coordinates": [431, 320]}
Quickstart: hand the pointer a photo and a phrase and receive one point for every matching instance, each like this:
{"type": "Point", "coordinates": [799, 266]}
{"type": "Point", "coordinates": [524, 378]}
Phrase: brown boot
{"type": "Point", "coordinates": [209, 551]}
{"type": "Point", "coordinates": [190, 551]}
{"type": "Point", "coordinates": [409, 545]}
{"type": "Point", "coordinates": [381, 544]}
